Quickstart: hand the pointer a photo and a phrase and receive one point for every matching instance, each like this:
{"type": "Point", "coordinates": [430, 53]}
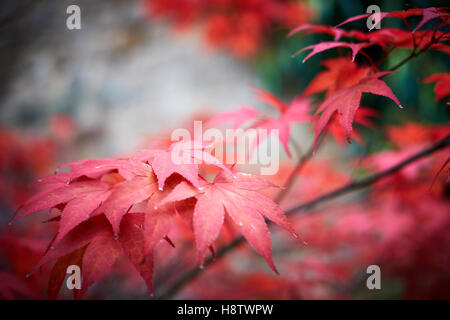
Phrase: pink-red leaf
{"type": "Point", "coordinates": [235, 196]}
{"type": "Point", "coordinates": [238, 118]}
{"type": "Point", "coordinates": [80, 236]}
{"type": "Point", "coordinates": [322, 46]}
{"type": "Point", "coordinates": [125, 195]}
{"type": "Point", "coordinates": [347, 100]}
{"type": "Point", "coordinates": [98, 260]}
{"type": "Point", "coordinates": [59, 194]}
{"type": "Point", "coordinates": [79, 209]}
{"type": "Point", "coordinates": [442, 87]}
{"type": "Point", "coordinates": [132, 240]}
{"type": "Point", "coordinates": [182, 158]}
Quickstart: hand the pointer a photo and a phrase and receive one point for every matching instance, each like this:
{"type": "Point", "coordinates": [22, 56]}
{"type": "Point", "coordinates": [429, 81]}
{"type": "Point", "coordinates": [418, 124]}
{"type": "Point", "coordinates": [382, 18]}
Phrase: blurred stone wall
{"type": "Point", "coordinates": [121, 76]}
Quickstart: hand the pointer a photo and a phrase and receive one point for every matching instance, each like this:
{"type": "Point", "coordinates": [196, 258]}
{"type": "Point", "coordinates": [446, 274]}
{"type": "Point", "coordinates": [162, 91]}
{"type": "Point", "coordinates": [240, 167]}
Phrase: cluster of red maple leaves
{"type": "Point", "coordinates": [115, 208]}
{"type": "Point", "coordinates": [238, 26]}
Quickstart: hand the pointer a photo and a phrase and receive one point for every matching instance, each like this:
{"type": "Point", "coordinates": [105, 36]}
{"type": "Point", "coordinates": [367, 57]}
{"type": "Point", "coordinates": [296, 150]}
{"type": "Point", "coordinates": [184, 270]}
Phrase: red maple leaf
{"type": "Point", "coordinates": [189, 154]}
{"type": "Point", "coordinates": [309, 28]}
{"type": "Point", "coordinates": [346, 102]}
{"type": "Point", "coordinates": [427, 15]}
{"type": "Point", "coordinates": [84, 197]}
{"type": "Point", "coordinates": [13, 287]}
{"type": "Point", "coordinates": [59, 272]}
{"type": "Point", "coordinates": [239, 199]}
{"type": "Point", "coordinates": [432, 39]}
{"type": "Point", "coordinates": [322, 46]}
{"type": "Point", "coordinates": [112, 195]}
{"type": "Point", "coordinates": [297, 111]}
{"type": "Point", "coordinates": [159, 218]}
{"type": "Point", "coordinates": [98, 259]}
{"type": "Point", "coordinates": [413, 134]}
{"type": "Point", "coordinates": [60, 192]}
{"type": "Point", "coordinates": [92, 246]}
{"type": "Point", "coordinates": [362, 117]}
{"type": "Point", "coordinates": [133, 241]}
{"type": "Point", "coordinates": [442, 87]}
{"type": "Point", "coordinates": [238, 118]}
{"type": "Point", "coordinates": [341, 72]}
{"type": "Point", "coordinates": [125, 195]}
{"type": "Point", "coordinates": [238, 26]}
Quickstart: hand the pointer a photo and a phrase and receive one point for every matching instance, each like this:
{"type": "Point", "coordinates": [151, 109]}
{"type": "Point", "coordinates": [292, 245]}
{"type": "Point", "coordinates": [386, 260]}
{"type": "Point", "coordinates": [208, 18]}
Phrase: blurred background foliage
{"type": "Point", "coordinates": [281, 74]}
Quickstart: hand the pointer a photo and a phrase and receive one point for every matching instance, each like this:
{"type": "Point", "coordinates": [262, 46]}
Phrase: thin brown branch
{"type": "Point", "coordinates": [349, 187]}
{"type": "Point", "coordinates": [414, 53]}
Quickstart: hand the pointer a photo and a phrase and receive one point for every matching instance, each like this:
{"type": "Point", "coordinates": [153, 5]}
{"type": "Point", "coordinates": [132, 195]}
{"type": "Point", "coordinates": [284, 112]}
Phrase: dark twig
{"type": "Point", "coordinates": [362, 183]}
